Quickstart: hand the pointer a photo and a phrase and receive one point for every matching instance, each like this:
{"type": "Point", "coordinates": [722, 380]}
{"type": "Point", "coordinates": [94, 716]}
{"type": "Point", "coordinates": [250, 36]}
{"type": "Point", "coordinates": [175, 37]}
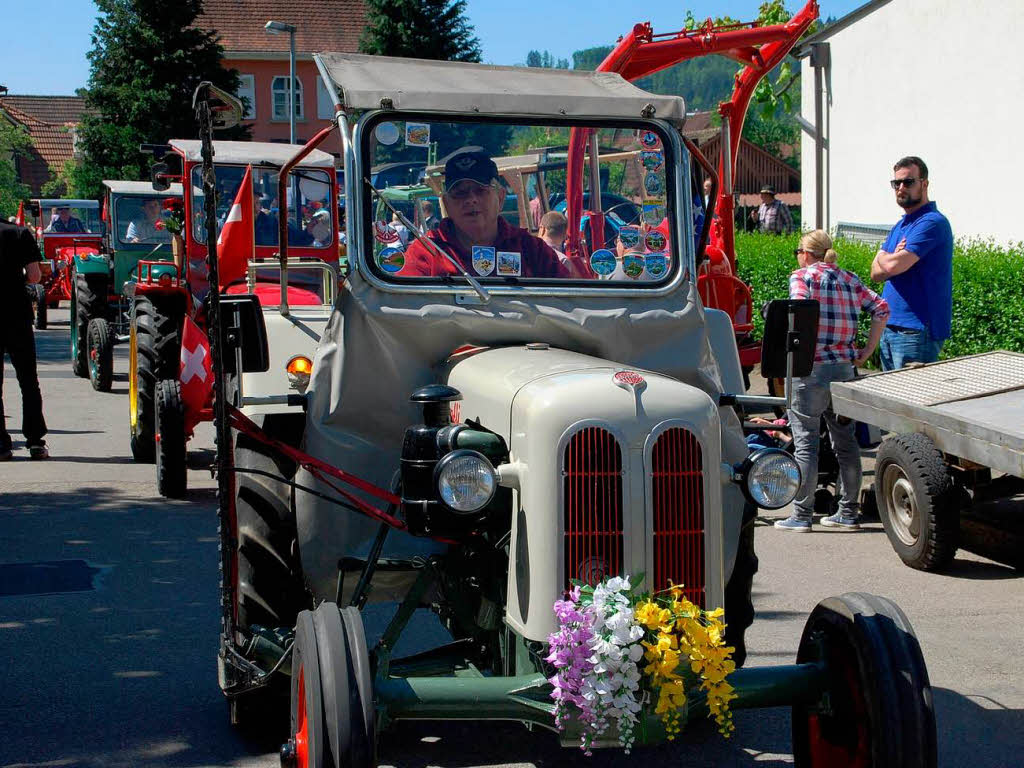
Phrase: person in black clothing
{"type": "Point", "coordinates": [19, 258]}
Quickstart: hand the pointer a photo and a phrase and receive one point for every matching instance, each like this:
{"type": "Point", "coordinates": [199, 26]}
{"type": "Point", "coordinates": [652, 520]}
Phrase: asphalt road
{"type": "Point", "coordinates": [109, 646]}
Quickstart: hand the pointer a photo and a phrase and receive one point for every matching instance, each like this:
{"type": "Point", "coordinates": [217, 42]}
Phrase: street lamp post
{"type": "Point", "coordinates": [274, 27]}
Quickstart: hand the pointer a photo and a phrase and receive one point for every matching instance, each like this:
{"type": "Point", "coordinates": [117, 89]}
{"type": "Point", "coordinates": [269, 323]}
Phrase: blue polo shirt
{"type": "Point", "coordinates": [922, 297]}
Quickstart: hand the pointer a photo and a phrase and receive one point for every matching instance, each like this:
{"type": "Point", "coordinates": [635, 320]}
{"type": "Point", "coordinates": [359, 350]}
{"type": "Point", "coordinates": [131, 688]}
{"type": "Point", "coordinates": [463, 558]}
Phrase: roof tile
{"type": "Point", "coordinates": [321, 25]}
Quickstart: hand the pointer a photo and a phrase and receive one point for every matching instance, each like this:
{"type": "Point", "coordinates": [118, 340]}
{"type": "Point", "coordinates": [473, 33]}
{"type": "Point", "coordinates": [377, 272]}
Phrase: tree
{"type": "Point", "coordinates": [545, 60]}
{"type": "Point", "coordinates": [146, 61]}
{"type": "Point", "coordinates": [421, 29]}
{"type": "Point", "coordinates": [14, 142]}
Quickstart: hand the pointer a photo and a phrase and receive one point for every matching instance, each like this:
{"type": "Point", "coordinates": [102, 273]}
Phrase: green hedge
{"type": "Point", "coordinates": [988, 286]}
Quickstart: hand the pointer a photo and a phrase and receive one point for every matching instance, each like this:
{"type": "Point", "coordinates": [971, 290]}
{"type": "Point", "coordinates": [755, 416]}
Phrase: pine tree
{"type": "Point", "coordinates": [419, 29]}
{"type": "Point", "coordinates": [146, 61]}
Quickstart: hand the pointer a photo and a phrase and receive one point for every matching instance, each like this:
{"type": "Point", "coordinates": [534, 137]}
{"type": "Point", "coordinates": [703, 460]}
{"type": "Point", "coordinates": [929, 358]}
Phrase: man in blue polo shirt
{"type": "Point", "coordinates": [916, 263]}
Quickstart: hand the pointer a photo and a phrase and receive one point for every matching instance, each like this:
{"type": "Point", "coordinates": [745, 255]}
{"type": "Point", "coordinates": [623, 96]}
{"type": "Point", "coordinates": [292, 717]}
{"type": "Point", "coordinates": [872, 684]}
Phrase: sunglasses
{"type": "Point", "coordinates": [464, 189]}
{"type": "Point", "coordinates": [897, 183]}
{"type": "Point", "coordinates": [798, 251]}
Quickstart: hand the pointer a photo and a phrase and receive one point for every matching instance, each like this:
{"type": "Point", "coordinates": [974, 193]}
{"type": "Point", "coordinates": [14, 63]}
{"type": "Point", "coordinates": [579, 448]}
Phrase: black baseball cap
{"type": "Point", "coordinates": [472, 164]}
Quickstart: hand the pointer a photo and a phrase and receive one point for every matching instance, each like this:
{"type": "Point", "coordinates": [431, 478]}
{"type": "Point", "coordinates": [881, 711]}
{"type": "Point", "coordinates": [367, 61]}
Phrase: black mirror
{"type": "Point", "coordinates": [243, 317]}
{"type": "Point", "coordinates": [778, 338]}
{"type": "Point", "coordinates": [158, 173]}
{"type": "Point", "coordinates": [225, 109]}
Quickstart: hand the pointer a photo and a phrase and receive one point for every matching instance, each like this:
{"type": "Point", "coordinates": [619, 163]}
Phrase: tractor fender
{"type": "Point", "coordinates": [91, 264]}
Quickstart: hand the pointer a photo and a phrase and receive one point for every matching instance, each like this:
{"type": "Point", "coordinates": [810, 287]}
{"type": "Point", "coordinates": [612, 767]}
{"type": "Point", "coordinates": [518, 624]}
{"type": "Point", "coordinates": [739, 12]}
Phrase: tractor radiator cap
{"type": "Point", "coordinates": [436, 393]}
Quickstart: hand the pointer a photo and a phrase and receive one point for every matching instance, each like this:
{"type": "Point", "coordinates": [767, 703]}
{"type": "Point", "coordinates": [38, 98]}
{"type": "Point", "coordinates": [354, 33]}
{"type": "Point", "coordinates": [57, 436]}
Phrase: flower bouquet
{"type": "Point", "coordinates": [617, 650]}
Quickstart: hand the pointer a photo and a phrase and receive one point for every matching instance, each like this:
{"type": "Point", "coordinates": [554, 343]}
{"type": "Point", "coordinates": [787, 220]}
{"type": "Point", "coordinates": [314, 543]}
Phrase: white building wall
{"type": "Point", "coordinates": [939, 79]}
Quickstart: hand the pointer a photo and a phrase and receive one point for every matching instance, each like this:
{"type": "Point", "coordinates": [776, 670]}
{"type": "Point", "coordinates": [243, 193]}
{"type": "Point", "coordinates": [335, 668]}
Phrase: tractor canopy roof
{"type": "Point", "coordinates": [255, 152]}
{"type": "Point", "coordinates": [145, 188]}
{"type": "Point", "coordinates": [364, 82]}
{"type": "Point", "coordinates": [49, 202]}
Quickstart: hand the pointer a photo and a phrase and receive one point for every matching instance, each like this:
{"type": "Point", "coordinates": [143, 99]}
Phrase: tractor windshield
{"type": "Point", "coordinates": [491, 198]}
{"type": "Point", "coordinates": [309, 205]}
{"type": "Point", "coordinates": [67, 217]}
{"type": "Point", "coordinates": [144, 219]}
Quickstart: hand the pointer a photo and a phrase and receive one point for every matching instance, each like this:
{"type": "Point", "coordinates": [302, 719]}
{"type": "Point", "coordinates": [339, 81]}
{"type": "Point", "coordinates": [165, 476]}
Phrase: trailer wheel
{"type": "Point", "coordinates": [154, 353]}
{"type": "Point", "coordinates": [347, 686]}
{"type": "Point", "coordinates": [101, 354]}
{"type": "Point", "coordinates": [88, 300]}
{"type": "Point", "coordinates": [307, 740]}
{"type": "Point", "coordinates": [917, 502]}
{"type": "Point", "coordinates": [879, 710]}
{"type": "Point", "coordinates": [739, 606]}
{"type": "Point", "coordinates": [171, 475]}
{"type": "Point", "coordinates": [39, 298]}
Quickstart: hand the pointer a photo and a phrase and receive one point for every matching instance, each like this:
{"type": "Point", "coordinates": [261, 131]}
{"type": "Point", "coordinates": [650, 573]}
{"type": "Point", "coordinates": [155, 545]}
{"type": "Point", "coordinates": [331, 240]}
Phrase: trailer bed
{"type": "Point", "coordinates": [971, 407]}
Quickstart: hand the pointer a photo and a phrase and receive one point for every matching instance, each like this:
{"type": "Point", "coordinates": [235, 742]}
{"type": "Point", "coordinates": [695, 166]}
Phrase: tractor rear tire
{"type": "Point", "coordinates": [154, 354]}
{"type": "Point", "coordinates": [101, 354]}
{"type": "Point", "coordinates": [739, 605]}
{"type": "Point", "coordinates": [171, 457]}
{"type": "Point", "coordinates": [879, 709]}
{"type": "Point", "coordinates": [39, 297]}
{"type": "Point", "coordinates": [89, 301]}
{"type": "Point", "coordinates": [917, 501]}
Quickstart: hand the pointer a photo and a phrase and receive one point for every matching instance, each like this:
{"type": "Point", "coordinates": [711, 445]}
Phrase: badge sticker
{"type": "Point", "coordinates": [417, 134]}
{"type": "Point", "coordinates": [654, 211]}
{"type": "Point", "coordinates": [655, 240]}
{"type": "Point", "coordinates": [650, 140]}
{"type": "Point", "coordinates": [386, 133]}
{"type": "Point", "coordinates": [510, 264]}
{"type": "Point", "coordinates": [657, 264]}
{"type": "Point", "coordinates": [391, 260]}
{"type": "Point", "coordinates": [652, 159]}
{"type": "Point", "coordinates": [633, 265]}
{"type": "Point", "coordinates": [653, 184]}
{"type": "Point", "coordinates": [483, 259]}
{"type": "Point", "coordinates": [384, 232]}
{"type": "Point", "coordinates": [630, 236]}
{"type": "Point", "coordinates": [602, 261]}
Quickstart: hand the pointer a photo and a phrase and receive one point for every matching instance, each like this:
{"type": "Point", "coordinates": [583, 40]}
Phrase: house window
{"type": "Point", "coordinates": [247, 91]}
{"type": "Point", "coordinates": [279, 91]}
{"type": "Point", "coordinates": [324, 103]}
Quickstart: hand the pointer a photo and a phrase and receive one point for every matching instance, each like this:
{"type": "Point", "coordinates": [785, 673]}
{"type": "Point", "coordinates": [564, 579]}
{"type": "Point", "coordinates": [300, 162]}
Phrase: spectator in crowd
{"type": "Point", "coordinates": [65, 223]}
{"type": "Point", "coordinates": [772, 215]}
{"type": "Point", "coordinates": [552, 230]}
{"type": "Point", "coordinates": [916, 263]}
{"type": "Point", "coordinates": [842, 297]}
{"type": "Point", "coordinates": [146, 229]}
{"type": "Point", "coordinates": [430, 219]}
{"type": "Point", "coordinates": [708, 202]}
{"type": "Point", "coordinates": [319, 228]}
{"type": "Point", "coordinates": [19, 259]}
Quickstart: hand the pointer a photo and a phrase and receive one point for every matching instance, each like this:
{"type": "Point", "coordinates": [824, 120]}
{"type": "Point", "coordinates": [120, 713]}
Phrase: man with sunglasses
{"type": "Point", "coordinates": [916, 263]}
{"type": "Point", "coordinates": [473, 199]}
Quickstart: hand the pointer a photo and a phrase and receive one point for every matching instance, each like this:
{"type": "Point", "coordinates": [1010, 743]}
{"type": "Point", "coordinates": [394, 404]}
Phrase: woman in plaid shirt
{"type": "Point", "coordinates": [842, 297]}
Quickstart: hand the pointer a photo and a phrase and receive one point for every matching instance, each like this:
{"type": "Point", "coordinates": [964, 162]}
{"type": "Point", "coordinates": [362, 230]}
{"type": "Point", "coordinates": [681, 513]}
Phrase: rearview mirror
{"type": "Point", "coordinates": [158, 173]}
{"type": "Point", "coordinates": [789, 324]}
{"type": "Point", "coordinates": [225, 109]}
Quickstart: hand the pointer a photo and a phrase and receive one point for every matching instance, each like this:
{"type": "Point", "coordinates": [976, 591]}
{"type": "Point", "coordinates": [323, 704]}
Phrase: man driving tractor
{"type": "Point", "coordinates": [64, 222]}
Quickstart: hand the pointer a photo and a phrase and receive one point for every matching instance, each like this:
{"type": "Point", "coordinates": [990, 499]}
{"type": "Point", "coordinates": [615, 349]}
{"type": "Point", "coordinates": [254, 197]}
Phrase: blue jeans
{"type": "Point", "coordinates": [812, 400]}
{"type": "Point", "coordinates": [900, 346]}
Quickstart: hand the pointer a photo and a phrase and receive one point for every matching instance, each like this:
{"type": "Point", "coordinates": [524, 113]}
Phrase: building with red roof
{"type": "Point", "coordinates": [50, 122]}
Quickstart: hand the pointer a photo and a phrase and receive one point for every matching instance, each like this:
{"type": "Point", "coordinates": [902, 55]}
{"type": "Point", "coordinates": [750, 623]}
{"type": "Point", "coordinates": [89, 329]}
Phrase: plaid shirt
{"type": "Point", "coordinates": [841, 296]}
{"type": "Point", "coordinates": [774, 217]}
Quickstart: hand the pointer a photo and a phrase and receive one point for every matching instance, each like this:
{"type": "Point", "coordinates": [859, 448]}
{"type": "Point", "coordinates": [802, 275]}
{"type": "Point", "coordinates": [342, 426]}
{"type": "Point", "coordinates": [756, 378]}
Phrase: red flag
{"type": "Point", "coordinates": [195, 371]}
{"type": "Point", "coordinates": [103, 216]}
{"type": "Point", "coordinates": [20, 218]}
{"type": "Point", "coordinates": [237, 241]}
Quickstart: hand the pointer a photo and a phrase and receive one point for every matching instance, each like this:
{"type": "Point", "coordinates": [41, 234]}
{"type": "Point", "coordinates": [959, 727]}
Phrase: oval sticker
{"type": "Point", "coordinates": [655, 240]}
{"type": "Point", "coordinates": [633, 265]}
{"type": "Point", "coordinates": [384, 232]}
{"type": "Point", "coordinates": [649, 140]}
{"type": "Point", "coordinates": [602, 261]}
{"type": "Point", "coordinates": [657, 264]}
{"type": "Point", "coordinates": [653, 184]}
{"type": "Point", "coordinates": [391, 260]}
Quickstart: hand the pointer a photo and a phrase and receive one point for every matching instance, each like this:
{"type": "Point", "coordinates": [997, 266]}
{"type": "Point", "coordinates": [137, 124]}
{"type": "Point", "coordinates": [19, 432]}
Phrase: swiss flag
{"type": "Point", "coordinates": [237, 241]}
{"type": "Point", "coordinates": [195, 371]}
{"type": "Point", "coordinates": [20, 218]}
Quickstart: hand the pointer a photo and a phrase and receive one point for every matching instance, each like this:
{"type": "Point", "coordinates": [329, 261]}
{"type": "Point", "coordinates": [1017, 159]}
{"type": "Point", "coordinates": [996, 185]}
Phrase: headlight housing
{"type": "Point", "coordinates": [299, 369]}
{"type": "Point", "coordinates": [466, 481]}
{"type": "Point", "coordinates": [770, 478]}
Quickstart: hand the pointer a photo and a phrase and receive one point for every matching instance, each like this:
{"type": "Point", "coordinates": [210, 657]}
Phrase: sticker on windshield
{"type": "Point", "coordinates": [386, 133]}
{"type": "Point", "coordinates": [510, 264]}
{"type": "Point", "coordinates": [655, 240]}
{"type": "Point", "coordinates": [633, 265]}
{"type": "Point", "coordinates": [483, 259]}
{"type": "Point", "coordinates": [653, 185]}
{"type": "Point", "coordinates": [391, 260]}
{"type": "Point", "coordinates": [417, 134]}
{"type": "Point", "coordinates": [654, 210]}
{"type": "Point", "coordinates": [657, 264]}
{"type": "Point", "coordinates": [652, 159]}
{"type": "Point", "coordinates": [602, 261]}
{"type": "Point", "coordinates": [630, 236]}
{"type": "Point", "coordinates": [649, 140]}
{"type": "Point", "coordinates": [384, 232]}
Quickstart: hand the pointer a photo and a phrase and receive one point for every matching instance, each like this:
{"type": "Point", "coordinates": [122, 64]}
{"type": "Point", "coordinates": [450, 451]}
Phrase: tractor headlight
{"type": "Point", "coordinates": [299, 369]}
{"type": "Point", "coordinates": [769, 477]}
{"type": "Point", "coordinates": [466, 480]}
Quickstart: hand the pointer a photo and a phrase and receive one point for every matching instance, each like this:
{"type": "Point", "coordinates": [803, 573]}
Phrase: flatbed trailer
{"type": "Point", "coordinates": [951, 424]}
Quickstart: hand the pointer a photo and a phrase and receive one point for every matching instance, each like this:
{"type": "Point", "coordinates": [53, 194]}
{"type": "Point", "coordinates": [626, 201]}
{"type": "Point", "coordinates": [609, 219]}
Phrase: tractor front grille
{"type": "Point", "coordinates": [592, 493]}
{"type": "Point", "coordinates": [677, 483]}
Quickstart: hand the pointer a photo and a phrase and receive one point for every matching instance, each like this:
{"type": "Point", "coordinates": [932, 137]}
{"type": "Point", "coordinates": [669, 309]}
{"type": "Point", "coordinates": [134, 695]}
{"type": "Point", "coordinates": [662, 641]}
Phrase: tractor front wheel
{"type": "Point", "coordinates": [171, 476]}
{"type": "Point", "coordinates": [88, 300]}
{"type": "Point", "coordinates": [101, 354]}
{"type": "Point", "coordinates": [154, 350]}
{"type": "Point", "coordinates": [39, 297]}
{"type": "Point", "coordinates": [878, 710]}
{"type": "Point", "coordinates": [739, 605]}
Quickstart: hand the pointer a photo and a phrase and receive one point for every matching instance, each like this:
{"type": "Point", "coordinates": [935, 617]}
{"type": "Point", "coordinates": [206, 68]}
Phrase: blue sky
{"type": "Point", "coordinates": [45, 41]}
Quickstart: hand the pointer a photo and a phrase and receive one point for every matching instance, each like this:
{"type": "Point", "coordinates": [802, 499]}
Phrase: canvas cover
{"type": "Point", "coordinates": [448, 86]}
{"type": "Point", "coordinates": [255, 152]}
{"type": "Point", "coordinates": [120, 187]}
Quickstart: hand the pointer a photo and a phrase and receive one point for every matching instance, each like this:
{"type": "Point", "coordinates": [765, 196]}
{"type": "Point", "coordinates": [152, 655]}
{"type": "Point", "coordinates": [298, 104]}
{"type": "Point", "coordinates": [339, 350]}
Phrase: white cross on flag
{"type": "Point", "coordinates": [237, 241]}
{"type": "Point", "coordinates": [195, 371]}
